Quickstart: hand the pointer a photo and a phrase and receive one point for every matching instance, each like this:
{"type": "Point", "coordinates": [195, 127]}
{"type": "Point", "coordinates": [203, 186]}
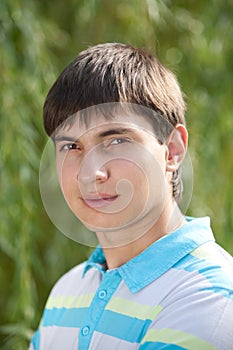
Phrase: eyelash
{"type": "Point", "coordinates": [69, 147]}
{"type": "Point", "coordinates": [121, 139]}
{"type": "Point", "coordinates": [107, 143]}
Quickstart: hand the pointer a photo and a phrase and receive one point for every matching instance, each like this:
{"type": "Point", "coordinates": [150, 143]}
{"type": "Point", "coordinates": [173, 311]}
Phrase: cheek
{"type": "Point", "coordinates": [125, 169]}
{"type": "Point", "coordinates": [139, 174]}
{"type": "Point", "coordinates": [130, 180]}
{"type": "Point", "coordinates": [150, 183]}
{"type": "Point", "coordinates": [67, 174]}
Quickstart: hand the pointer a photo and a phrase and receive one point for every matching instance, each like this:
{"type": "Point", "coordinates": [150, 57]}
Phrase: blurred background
{"type": "Point", "coordinates": [38, 39]}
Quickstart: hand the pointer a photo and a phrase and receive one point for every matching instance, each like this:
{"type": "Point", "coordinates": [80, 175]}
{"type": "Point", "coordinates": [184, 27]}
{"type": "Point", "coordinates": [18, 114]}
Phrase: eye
{"type": "Point", "coordinates": [69, 147]}
{"type": "Point", "coordinates": [118, 141]}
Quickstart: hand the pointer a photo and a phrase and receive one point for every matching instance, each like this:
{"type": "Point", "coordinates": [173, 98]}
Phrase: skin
{"type": "Point", "coordinates": [116, 178]}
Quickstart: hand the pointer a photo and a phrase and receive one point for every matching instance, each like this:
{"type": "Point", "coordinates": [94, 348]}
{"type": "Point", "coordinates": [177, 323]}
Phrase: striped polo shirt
{"type": "Point", "coordinates": [176, 294]}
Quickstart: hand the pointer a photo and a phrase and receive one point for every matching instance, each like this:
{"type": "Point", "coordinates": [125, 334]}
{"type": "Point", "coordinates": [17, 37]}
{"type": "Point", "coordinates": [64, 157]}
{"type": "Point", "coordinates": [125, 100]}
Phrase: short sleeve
{"type": "Point", "coordinates": [35, 342]}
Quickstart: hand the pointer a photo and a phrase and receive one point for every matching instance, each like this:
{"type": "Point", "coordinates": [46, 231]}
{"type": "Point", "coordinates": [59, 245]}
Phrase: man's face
{"type": "Point", "coordinates": [112, 172]}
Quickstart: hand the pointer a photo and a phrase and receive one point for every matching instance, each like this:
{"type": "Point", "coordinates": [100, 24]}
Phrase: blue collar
{"type": "Point", "coordinates": [158, 257]}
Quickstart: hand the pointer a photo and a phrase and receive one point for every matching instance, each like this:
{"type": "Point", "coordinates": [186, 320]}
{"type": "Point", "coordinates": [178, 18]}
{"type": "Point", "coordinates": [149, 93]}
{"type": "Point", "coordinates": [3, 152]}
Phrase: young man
{"type": "Point", "coordinates": [157, 280]}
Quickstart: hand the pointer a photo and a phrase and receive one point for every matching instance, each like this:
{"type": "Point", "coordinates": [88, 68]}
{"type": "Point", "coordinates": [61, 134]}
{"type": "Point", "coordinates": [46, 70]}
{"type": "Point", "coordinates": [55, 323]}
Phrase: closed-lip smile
{"type": "Point", "coordinates": [99, 200]}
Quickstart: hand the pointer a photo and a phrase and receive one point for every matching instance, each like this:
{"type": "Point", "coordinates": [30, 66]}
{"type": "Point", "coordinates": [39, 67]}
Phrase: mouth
{"type": "Point", "coordinates": [99, 200]}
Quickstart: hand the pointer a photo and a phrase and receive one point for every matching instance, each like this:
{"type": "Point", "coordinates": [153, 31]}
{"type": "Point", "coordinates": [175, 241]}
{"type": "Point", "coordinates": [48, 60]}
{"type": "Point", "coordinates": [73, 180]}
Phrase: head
{"type": "Point", "coordinates": [118, 73]}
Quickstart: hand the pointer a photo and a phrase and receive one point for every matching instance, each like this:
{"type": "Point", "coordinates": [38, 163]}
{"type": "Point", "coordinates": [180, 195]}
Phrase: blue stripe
{"type": "Point", "coordinates": [165, 253]}
{"type": "Point", "coordinates": [36, 340]}
{"type": "Point", "coordinates": [64, 317]}
{"type": "Point", "coordinates": [124, 327]}
{"type": "Point", "coordinates": [159, 346]}
{"type": "Point", "coordinates": [225, 292]}
{"type": "Point", "coordinates": [216, 276]}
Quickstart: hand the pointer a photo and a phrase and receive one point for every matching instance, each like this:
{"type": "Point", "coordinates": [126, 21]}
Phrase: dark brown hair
{"type": "Point", "coordinates": [116, 72]}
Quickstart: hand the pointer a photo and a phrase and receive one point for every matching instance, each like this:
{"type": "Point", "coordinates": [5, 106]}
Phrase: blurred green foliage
{"type": "Point", "coordinates": [38, 39]}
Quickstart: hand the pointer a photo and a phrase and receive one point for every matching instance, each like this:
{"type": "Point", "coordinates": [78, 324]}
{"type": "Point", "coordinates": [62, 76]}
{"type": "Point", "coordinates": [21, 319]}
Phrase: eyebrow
{"type": "Point", "coordinates": [115, 131]}
{"type": "Point", "coordinates": [64, 138]}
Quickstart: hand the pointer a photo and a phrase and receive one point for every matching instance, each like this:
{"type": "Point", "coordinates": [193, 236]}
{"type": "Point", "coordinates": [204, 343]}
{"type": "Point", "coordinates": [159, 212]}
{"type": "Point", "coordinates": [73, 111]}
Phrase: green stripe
{"type": "Point", "coordinates": [170, 336]}
{"type": "Point", "coordinates": [133, 309]}
{"type": "Point", "coordinates": [204, 252]}
{"type": "Point", "coordinates": [69, 301]}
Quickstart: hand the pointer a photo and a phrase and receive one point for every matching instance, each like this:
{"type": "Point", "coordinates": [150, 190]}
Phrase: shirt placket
{"type": "Point", "coordinates": [105, 291]}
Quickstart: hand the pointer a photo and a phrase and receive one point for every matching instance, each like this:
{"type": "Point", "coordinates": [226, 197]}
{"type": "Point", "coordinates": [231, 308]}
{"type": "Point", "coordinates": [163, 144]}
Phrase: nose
{"type": "Point", "coordinates": [92, 171]}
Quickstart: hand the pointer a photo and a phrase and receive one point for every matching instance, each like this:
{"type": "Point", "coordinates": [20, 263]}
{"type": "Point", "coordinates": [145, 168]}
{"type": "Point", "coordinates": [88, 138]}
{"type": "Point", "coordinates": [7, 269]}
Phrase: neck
{"type": "Point", "coordinates": [121, 246]}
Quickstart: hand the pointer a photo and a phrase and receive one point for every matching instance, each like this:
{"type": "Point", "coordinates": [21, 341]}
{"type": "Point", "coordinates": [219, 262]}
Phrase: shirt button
{"type": "Point", "coordinates": [85, 330]}
{"type": "Point", "coordinates": [102, 294]}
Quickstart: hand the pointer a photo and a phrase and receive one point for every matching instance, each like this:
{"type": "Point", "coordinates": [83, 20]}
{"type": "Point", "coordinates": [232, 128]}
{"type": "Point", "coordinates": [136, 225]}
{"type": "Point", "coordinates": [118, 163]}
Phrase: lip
{"type": "Point", "coordinates": [99, 200]}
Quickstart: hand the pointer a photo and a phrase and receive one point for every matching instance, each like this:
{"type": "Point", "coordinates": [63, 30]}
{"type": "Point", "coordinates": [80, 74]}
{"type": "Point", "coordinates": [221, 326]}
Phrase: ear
{"type": "Point", "coordinates": [177, 146]}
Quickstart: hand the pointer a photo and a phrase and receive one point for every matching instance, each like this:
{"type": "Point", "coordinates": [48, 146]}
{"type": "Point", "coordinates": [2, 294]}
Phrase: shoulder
{"type": "Point", "coordinates": [67, 283]}
{"type": "Point", "coordinates": [211, 263]}
{"type": "Point", "coordinates": [199, 307]}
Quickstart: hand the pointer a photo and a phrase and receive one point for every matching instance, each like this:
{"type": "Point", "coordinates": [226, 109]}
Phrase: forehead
{"type": "Point", "coordinates": [95, 122]}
